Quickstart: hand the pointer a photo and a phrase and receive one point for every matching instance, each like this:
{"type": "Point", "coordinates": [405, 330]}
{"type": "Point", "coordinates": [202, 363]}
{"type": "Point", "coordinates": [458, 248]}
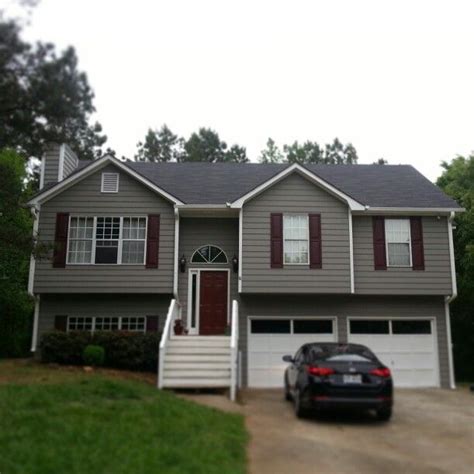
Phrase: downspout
{"type": "Point", "coordinates": [176, 250]}
{"type": "Point", "coordinates": [31, 278]}
{"type": "Point", "coordinates": [449, 299]}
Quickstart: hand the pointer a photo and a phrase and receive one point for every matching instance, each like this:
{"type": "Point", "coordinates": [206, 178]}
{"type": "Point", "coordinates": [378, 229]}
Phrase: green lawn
{"type": "Point", "coordinates": [58, 421]}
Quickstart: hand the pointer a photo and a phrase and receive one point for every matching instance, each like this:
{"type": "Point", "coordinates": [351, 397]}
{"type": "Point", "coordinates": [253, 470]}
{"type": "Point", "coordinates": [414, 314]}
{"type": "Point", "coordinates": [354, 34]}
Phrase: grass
{"type": "Point", "coordinates": [56, 420]}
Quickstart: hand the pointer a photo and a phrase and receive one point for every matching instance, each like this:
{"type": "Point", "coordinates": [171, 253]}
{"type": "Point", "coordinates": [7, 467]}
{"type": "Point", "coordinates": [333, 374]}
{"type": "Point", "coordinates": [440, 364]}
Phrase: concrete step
{"type": "Point", "coordinates": [200, 338]}
{"type": "Point", "coordinates": [196, 358]}
{"type": "Point", "coordinates": [198, 350]}
{"type": "Point", "coordinates": [185, 374]}
{"type": "Point", "coordinates": [185, 342]}
{"type": "Point", "coordinates": [197, 365]}
{"type": "Point", "coordinates": [169, 382]}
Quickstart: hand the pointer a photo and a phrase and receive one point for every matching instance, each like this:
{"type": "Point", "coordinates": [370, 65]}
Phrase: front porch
{"type": "Point", "coordinates": [198, 361]}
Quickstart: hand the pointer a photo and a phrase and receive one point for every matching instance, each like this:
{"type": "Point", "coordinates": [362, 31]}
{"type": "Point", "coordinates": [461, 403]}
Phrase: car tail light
{"type": "Point", "coordinates": [381, 372]}
{"type": "Point", "coordinates": [320, 371]}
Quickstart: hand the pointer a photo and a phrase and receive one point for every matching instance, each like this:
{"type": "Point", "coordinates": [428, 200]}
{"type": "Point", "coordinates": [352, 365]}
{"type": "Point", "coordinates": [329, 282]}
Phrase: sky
{"type": "Point", "coordinates": [395, 78]}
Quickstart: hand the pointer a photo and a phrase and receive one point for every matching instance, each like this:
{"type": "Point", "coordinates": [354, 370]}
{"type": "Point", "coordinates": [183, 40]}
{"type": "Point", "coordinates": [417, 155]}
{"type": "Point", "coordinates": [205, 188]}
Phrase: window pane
{"type": "Point", "coordinates": [198, 258]}
{"type": "Point", "coordinates": [397, 230]}
{"type": "Point", "coordinates": [369, 326]}
{"type": "Point", "coordinates": [411, 327]}
{"type": "Point", "coordinates": [312, 326]}
{"type": "Point", "coordinates": [399, 254]}
{"type": "Point", "coordinates": [133, 324]}
{"type": "Point", "coordinates": [106, 251]}
{"type": "Point", "coordinates": [270, 326]}
{"type": "Point", "coordinates": [133, 251]}
{"type": "Point", "coordinates": [209, 254]}
{"type": "Point", "coordinates": [80, 251]}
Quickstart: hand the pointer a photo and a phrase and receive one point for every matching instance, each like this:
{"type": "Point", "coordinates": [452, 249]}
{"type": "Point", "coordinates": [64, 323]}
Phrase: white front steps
{"type": "Point", "coordinates": [197, 362]}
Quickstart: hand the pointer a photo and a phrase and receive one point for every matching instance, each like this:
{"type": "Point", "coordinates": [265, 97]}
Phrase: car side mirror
{"type": "Point", "coordinates": [287, 358]}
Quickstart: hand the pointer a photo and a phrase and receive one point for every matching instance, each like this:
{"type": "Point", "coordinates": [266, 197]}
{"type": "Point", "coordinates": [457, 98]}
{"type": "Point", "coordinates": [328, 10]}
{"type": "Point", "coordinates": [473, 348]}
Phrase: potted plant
{"type": "Point", "coordinates": [178, 327]}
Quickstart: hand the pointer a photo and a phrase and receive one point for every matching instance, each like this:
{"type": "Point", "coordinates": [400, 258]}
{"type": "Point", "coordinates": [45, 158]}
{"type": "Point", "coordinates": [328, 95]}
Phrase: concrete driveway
{"type": "Point", "coordinates": [432, 431]}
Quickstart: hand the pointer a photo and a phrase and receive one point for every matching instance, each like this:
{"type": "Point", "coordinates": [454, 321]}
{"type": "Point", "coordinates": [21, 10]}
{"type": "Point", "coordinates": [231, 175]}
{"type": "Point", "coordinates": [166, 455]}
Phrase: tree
{"type": "Point", "coordinates": [309, 152]}
{"type": "Point", "coordinates": [457, 181]}
{"type": "Point", "coordinates": [336, 153]}
{"type": "Point", "coordinates": [16, 245]}
{"type": "Point", "coordinates": [271, 154]}
{"type": "Point", "coordinates": [205, 145]}
{"type": "Point", "coordinates": [160, 145]}
{"type": "Point", "coordinates": [381, 161]}
{"type": "Point", "coordinates": [236, 154]}
{"type": "Point", "coordinates": [44, 97]}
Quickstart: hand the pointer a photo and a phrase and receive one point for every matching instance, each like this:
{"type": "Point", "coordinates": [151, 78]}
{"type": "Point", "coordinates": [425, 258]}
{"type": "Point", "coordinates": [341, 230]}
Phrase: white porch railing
{"type": "Point", "coordinates": [173, 312]}
{"type": "Point", "coordinates": [234, 342]}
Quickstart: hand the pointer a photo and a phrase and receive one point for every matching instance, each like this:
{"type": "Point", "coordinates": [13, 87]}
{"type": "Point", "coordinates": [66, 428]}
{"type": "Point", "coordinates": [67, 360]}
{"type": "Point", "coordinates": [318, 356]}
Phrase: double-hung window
{"type": "Point", "coordinates": [81, 238]}
{"type": "Point", "coordinates": [398, 241]}
{"type": "Point", "coordinates": [295, 239]}
{"type": "Point", "coordinates": [107, 240]}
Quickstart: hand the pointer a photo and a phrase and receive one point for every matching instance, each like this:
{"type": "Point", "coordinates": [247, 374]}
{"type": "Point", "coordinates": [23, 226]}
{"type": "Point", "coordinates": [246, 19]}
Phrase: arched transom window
{"type": "Point", "coordinates": [209, 254]}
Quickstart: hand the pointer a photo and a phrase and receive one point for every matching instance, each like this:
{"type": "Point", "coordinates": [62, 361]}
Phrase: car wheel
{"type": "Point", "coordinates": [301, 411]}
{"type": "Point", "coordinates": [384, 414]}
{"type": "Point", "coordinates": [288, 396]}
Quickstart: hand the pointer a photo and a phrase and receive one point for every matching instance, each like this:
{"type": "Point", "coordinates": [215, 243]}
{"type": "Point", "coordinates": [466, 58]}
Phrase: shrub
{"type": "Point", "coordinates": [94, 355]}
{"type": "Point", "coordinates": [123, 350]}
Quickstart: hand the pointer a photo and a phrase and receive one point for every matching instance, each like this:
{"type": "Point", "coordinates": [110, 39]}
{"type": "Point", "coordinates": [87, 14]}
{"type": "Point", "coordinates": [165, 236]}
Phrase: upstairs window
{"type": "Point", "coordinates": [295, 239]}
{"type": "Point", "coordinates": [107, 240]}
{"type": "Point", "coordinates": [397, 236]}
{"type": "Point", "coordinates": [110, 183]}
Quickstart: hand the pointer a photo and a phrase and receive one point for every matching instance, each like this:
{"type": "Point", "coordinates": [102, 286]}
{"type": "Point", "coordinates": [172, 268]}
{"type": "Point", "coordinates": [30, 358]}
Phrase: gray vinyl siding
{"type": "Point", "coordinates": [342, 307]}
{"type": "Point", "coordinates": [434, 280]}
{"type": "Point", "coordinates": [70, 161]}
{"type": "Point", "coordinates": [51, 164]}
{"type": "Point", "coordinates": [196, 232]}
{"type": "Point", "coordinates": [85, 198]}
{"type": "Point", "coordinates": [295, 194]}
{"type": "Point", "coordinates": [100, 306]}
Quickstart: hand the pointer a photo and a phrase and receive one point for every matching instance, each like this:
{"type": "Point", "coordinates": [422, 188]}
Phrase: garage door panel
{"type": "Point", "coordinates": [265, 351]}
{"type": "Point", "coordinates": [412, 358]}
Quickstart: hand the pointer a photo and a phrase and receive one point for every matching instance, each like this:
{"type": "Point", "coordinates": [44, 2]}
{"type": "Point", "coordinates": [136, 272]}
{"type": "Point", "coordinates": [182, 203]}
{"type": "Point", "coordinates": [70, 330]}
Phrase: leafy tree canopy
{"type": "Point", "coordinates": [309, 152]}
{"type": "Point", "coordinates": [44, 97]}
{"type": "Point", "coordinates": [457, 181]}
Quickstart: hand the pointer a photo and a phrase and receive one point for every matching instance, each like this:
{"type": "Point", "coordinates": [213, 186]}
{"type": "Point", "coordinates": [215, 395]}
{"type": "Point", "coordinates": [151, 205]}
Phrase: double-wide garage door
{"type": "Point", "coordinates": [407, 346]}
{"type": "Point", "coordinates": [272, 338]}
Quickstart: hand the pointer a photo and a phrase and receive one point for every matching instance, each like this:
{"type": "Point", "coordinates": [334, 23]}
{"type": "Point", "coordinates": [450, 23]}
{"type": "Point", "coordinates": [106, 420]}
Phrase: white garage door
{"type": "Point", "coordinates": [407, 346]}
{"type": "Point", "coordinates": [272, 338]}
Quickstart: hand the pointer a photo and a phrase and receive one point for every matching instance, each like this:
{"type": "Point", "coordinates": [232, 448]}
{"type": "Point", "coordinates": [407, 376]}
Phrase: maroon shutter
{"type": "Point", "coordinates": [315, 255]}
{"type": "Point", "coordinates": [417, 252]}
{"type": "Point", "coordinates": [60, 241]}
{"type": "Point", "coordinates": [276, 244]}
{"type": "Point", "coordinates": [152, 324]}
{"type": "Point", "coordinates": [60, 323]}
{"type": "Point", "coordinates": [380, 259]}
{"type": "Point", "coordinates": [153, 241]}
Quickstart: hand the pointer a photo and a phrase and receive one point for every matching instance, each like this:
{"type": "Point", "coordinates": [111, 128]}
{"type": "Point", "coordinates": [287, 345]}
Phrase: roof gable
{"type": "Point", "coordinates": [92, 167]}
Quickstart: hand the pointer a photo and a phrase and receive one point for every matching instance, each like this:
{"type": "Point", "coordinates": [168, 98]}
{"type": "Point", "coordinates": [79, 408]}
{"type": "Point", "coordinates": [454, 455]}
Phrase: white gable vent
{"type": "Point", "coordinates": [110, 182]}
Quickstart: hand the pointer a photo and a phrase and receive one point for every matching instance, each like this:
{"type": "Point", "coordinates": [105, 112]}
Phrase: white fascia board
{"type": "Point", "coordinates": [433, 211]}
{"type": "Point", "coordinates": [88, 170]}
{"type": "Point", "coordinates": [352, 203]}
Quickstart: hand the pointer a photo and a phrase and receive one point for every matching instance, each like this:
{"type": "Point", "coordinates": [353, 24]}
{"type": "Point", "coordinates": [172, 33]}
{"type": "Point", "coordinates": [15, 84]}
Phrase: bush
{"type": "Point", "coordinates": [123, 350]}
{"type": "Point", "coordinates": [94, 355]}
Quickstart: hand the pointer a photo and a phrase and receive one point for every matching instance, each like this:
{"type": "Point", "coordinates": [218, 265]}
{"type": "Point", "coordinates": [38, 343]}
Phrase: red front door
{"type": "Point", "coordinates": [213, 303]}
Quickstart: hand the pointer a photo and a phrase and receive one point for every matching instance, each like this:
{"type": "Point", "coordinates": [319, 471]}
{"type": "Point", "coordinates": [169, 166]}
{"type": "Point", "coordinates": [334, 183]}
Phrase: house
{"type": "Point", "coordinates": [254, 259]}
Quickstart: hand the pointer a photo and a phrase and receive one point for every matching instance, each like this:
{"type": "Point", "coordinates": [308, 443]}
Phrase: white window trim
{"type": "Point", "coordinates": [409, 242]}
{"type": "Point", "coordinates": [102, 182]}
{"type": "Point", "coordinates": [119, 256]}
{"type": "Point", "coordinates": [209, 263]}
{"type": "Point", "coordinates": [92, 330]}
{"type": "Point", "coordinates": [288, 214]}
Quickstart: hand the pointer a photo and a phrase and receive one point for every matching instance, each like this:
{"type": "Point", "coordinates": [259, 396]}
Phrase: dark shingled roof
{"type": "Point", "coordinates": [218, 183]}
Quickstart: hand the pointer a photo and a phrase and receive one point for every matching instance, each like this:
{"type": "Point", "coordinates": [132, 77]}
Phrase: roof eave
{"type": "Point", "coordinates": [409, 210]}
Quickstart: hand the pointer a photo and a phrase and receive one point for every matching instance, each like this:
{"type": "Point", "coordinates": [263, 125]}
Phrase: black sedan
{"type": "Point", "coordinates": [331, 375]}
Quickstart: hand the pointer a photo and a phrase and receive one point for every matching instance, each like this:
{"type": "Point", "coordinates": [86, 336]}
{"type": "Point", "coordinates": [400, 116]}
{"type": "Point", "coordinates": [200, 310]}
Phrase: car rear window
{"type": "Point", "coordinates": [341, 353]}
